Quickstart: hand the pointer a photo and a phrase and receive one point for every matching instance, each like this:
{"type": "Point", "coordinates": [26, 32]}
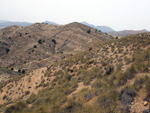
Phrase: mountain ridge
{"type": "Point", "coordinates": [31, 47]}
{"type": "Point", "coordinates": [104, 29]}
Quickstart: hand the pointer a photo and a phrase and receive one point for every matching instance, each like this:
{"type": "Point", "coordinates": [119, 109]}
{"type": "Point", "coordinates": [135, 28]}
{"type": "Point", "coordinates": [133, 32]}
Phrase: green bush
{"type": "Point", "coordinates": [17, 108]}
{"type": "Point", "coordinates": [31, 99]}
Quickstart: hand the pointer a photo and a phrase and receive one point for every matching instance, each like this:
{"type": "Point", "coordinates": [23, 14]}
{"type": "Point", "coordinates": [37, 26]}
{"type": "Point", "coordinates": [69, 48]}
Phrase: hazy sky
{"type": "Point", "coordinates": [118, 14]}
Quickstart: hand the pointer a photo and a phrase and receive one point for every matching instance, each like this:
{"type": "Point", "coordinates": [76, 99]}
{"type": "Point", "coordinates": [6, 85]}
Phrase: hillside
{"type": "Point", "coordinates": [110, 77]}
{"type": "Point", "coordinates": [24, 49]}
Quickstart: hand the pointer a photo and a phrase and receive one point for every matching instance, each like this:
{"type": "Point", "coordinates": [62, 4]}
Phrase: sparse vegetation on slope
{"type": "Point", "coordinates": [40, 45]}
{"type": "Point", "coordinates": [112, 77]}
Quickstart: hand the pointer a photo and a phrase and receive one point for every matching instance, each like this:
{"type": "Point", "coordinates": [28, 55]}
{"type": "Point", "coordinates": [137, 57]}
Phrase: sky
{"type": "Point", "coordinates": [117, 14]}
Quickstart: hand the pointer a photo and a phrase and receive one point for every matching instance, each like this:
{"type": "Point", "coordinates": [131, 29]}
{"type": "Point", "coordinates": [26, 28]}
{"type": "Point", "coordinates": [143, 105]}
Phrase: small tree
{"type": "Point", "coordinates": [19, 70]}
{"type": "Point", "coordinates": [54, 41]}
{"type": "Point", "coordinates": [35, 46]}
{"type": "Point", "coordinates": [40, 41]}
{"type": "Point", "coordinates": [7, 50]}
{"type": "Point", "coordinates": [89, 31]}
{"type": "Point", "coordinates": [23, 71]}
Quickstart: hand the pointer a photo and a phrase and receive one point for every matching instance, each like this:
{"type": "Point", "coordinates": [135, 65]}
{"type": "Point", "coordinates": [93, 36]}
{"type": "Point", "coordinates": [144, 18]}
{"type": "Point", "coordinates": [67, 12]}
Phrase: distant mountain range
{"type": "Point", "coordinates": [127, 32]}
{"type": "Point", "coordinates": [110, 31]}
{"type": "Point", "coordinates": [105, 29]}
{"type": "Point", "coordinates": [5, 23]}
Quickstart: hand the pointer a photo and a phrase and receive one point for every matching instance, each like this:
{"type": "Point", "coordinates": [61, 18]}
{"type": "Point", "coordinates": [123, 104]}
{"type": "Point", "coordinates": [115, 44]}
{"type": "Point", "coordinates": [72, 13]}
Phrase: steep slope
{"type": "Point", "coordinates": [113, 77]}
{"type": "Point", "coordinates": [26, 48]}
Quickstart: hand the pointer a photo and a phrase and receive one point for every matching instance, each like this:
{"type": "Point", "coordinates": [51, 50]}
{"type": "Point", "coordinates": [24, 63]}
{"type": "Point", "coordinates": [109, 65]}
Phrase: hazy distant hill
{"type": "Point", "coordinates": [4, 23]}
{"type": "Point", "coordinates": [50, 23]}
{"type": "Point", "coordinates": [105, 29]}
{"type": "Point", "coordinates": [110, 31]}
{"type": "Point", "coordinates": [127, 32]}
